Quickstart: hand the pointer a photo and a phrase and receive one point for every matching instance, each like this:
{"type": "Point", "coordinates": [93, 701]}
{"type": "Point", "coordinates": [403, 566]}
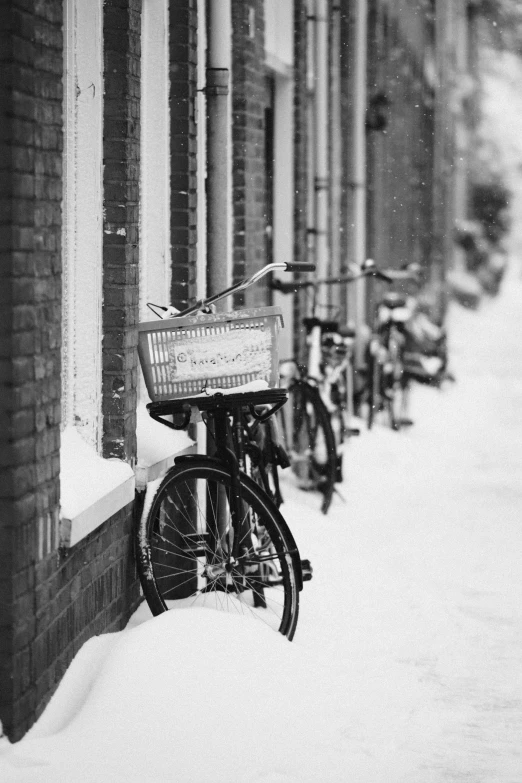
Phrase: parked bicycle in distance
{"type": "Point", "coordinates": [405, 346]}
{"type": "Point", "coordinates": [316, 422]}
{"type": "Point", "coordinates": [213, 534]}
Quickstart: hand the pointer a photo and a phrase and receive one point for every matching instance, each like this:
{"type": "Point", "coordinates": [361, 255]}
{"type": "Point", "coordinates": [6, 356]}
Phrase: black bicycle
{"type": "Point", "coordinates": [388, 384]}
{"type": "Point", "coordinates": [213, 534]}
{"type": "Point", "coordinates": [316, 422]}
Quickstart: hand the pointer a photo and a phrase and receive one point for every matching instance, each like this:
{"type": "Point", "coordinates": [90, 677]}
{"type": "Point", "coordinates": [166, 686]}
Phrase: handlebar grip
{"type": "Point", "coordinates": [288, 288]}
{"type": "Point", "coordinates": [299, 266]}
{"type": "Point", "coordinates": [382, 276]}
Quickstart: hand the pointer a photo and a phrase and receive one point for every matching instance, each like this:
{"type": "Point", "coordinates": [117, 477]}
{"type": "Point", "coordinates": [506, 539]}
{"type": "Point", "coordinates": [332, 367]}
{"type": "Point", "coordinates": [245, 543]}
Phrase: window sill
{"type": "Point", "coordinates": [73, 530]}
{"type": "Point", "coordinates": [158, 446]}
{"type": "Point", "coordinates": [92, 488]}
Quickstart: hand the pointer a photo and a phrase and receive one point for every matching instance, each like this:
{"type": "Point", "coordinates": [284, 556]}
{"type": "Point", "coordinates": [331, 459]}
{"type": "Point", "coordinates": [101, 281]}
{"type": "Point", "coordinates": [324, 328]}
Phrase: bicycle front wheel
{"type": "Point", "coordinates": [310, 441]}
{"type": "Point", "coordinates": [187, 553]}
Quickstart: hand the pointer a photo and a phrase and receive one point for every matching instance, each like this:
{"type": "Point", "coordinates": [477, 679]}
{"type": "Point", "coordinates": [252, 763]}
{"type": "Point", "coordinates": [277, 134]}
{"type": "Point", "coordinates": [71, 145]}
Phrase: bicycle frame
{"type": "Point", "coordinates": [234, 459]}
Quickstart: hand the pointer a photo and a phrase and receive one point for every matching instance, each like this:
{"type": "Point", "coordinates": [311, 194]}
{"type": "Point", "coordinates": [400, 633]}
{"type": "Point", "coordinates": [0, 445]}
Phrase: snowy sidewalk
{"type": "Point", "coordinates": [407, 661]}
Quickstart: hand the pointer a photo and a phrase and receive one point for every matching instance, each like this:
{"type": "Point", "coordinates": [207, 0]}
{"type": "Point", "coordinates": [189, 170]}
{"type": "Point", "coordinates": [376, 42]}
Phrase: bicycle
{"type": "Point", "coordinates": [317, 421]}
{"type": "Point", "coordinates": [212, 535]}
{"type": "Point", "coordinates": [388, 383]}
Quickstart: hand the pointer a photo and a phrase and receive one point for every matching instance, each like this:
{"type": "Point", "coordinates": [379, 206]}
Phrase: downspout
{"type": "Point", "coordinates": [320, 158]}
{"type": "Point", "coordinates": [219, 37]}
{"type": "Point", "coordinates": [441, 191]}
{"type": "Point", "coordinates": [357, 174]}
{"type": "Point", "coordinates": [321, 180]}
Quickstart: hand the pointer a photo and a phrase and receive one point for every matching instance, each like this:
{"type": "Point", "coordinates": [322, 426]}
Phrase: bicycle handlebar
{"type": "Point", "coordinates": [299, 266]}
{"type": "Point", "coordinates": [296, 285]}
{"type": "Point", "coordinates": [202, 304]}
{"type": "Point", "coordinates": [402, 274]}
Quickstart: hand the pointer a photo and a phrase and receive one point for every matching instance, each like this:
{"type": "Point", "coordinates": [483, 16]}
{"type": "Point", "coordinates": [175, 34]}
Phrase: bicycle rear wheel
{"type": "Point", "coordinates": [394, 391]}
{"type": "Point", "coordinates": [310, 441]}
{"type": "Point", "coordinates": [374, 389]}
{"type": "Point", "coordinates": [185, 549]}
{"type": "Point", "coordinates": [264, 455]}
{"type": "Point", "coordinates": [339, 404]}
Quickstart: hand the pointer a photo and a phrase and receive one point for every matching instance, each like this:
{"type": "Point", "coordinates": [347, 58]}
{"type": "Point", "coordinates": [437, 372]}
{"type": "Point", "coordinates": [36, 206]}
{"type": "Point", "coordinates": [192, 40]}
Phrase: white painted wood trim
{"type": "Point", "coordinates": [74, 530]}
{"type": "Point", "coordinates": [283, 238]}
{"type": "Point", "coordinates": [155, 261]}
{"type": "Point", "coordinates": [279, 66]}
{"type": "Point", "coordinates": [201, 126]}
{"type": "Point", "coordinates": [147, 473]}
{"type": "Point", "coordinates": [83, 219]}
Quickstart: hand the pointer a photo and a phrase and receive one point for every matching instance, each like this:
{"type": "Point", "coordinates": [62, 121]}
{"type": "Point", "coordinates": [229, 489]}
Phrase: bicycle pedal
{"type": "Point", "coordinates": [307, 570]}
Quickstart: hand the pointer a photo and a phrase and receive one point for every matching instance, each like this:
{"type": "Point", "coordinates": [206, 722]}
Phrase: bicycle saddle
{"type": "Point", "coordinates": [393, 299]}
{"type": "Point", "coordinates": [326, 326]}
{"type": "Point", "coordinates": [347, 331]}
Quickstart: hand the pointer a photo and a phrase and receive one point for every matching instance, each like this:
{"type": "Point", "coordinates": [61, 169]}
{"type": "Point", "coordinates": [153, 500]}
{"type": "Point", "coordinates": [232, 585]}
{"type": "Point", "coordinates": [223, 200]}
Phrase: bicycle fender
{"type": "Point", "coordinates": [183, 458]}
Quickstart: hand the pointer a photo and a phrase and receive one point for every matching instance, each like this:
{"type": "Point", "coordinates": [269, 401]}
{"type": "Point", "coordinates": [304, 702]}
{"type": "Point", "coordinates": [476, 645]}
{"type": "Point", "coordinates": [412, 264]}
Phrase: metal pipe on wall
{"type": "Point", "coordinates": [321, 179]}
{"type": "Point", "coordinates": [321, 182]}
{"type": "Point", "coordinates": [357, 175]}
{"type": "Point", "coordinates": [219, 37]}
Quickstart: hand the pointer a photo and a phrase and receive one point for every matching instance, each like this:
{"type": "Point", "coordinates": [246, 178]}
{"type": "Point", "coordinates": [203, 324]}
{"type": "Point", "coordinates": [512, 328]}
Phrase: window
{"type": "Point", "coordinates": [82, 220]}
{"type": "Point", "coordinates": [157, 445]}
{"type": "Point", "coordinates": [155, 266]}
{"type": "Point", "coordinates": [92, 489]}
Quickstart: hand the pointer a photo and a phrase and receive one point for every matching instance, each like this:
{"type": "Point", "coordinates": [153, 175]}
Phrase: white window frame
{"type": "Point", "coordinates": [157, 445]}
{"type": "Point", "coordinates": [279, 56]}
{"type": "Point", "coordinates": [92, 489]}
{"type": "Point", "coordinates": [83, 220]}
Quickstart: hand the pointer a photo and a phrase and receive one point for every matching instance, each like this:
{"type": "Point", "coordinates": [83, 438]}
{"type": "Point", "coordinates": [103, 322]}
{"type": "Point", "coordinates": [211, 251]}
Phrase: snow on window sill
{"type": "Point", "coordinates": [92, 488]}
{"type": "Point", "coordinates": [157, 447]}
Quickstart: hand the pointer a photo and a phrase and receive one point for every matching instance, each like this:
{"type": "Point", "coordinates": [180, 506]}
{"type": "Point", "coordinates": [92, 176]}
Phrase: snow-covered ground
{"type": "Point", "coordinates": [407, 662]}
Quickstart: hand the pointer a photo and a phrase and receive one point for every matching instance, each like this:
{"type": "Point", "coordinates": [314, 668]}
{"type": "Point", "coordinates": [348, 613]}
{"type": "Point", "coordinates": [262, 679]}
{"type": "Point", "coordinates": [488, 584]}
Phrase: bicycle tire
{"type": "Point", "coordinates": [340, 419]}
{"type": "Point", "coordinates": [310, 441]}
{"type": "Point", "coordinates": [394, 405]}
{"type": "Point", "coordinates": [374, 389]}
{"type": "Point", "coordinates": [184, 545]}
{"type": "Point", "coordinates": [393, 391]}
{"type": "Point", "coordinates": [262, 463]}
{"type": "Point", "coordinates": [336, 418]}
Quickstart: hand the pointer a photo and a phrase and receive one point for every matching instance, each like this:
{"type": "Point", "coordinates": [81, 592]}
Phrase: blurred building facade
{"type": "Point", "coordinates": [155, 151]}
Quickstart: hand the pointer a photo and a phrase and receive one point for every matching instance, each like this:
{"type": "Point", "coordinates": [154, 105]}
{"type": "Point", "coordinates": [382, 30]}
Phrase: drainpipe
{"type": "Point", "coordinates": [357, 174]}
{"type": "Point", "coordinates": [441, 249]}
{"type": "Point", "coordinates": [321, 180]}
{"type": "Point", "coordinates": [219, 39]}
{"type": "Point", "coordinates": [319, 18]}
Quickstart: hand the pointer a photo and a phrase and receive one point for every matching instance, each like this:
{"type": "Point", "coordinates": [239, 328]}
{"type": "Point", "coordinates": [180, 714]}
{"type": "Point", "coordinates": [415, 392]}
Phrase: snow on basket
{"type": "Point", "coordinates": [181, 357]}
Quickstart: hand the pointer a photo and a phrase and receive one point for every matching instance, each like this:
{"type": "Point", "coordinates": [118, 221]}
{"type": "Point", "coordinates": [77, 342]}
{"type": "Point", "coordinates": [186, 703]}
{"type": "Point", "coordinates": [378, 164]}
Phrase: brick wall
{"type": "Point", "coordinates": [121, 157]}
{"type": "Point", "coordinates": [91, 590]}
{"type": "Point", "coordinates": [30, 306]}
{"type": "Point", "coordinates": [51, 602]}
{"type": "Point", "coordinates": [183, 148]}
{"type": "Point", "coordinates": [249, 99]}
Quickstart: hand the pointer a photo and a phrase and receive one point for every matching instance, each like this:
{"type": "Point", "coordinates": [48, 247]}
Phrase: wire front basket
{"type": "Point", "coordinates": [181, 357]}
